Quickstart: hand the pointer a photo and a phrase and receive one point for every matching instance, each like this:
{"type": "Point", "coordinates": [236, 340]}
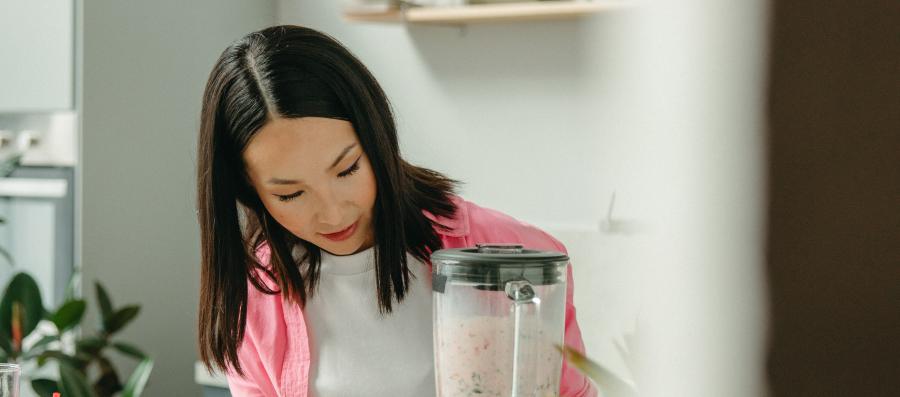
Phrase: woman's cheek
{"type": "Point", "coordinates": [285, 216]}
{"type": "Point", "coordinates": [297, 225]}
{"type": "Point", "coordinates": [368, 192]}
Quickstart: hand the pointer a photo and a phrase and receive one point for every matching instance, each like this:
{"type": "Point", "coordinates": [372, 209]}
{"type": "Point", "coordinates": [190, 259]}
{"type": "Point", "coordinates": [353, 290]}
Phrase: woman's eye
{"type": "Point", "coordinates": [350, 171]}
{"type": "Point", "coordinates": [289, 197]}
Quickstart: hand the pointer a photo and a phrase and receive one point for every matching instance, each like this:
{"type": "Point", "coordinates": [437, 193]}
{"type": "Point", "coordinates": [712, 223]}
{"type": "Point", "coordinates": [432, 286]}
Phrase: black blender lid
{"type": "Point", "coordinates": [491, 266]}
{"type": "Point", "coordinates": [498, 254]}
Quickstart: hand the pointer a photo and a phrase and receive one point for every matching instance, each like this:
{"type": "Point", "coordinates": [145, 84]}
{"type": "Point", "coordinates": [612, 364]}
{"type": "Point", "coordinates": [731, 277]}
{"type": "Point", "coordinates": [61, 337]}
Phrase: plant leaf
{"type": "Point", "coordinates": [69, 315]}
{"type": "Point", "coordinates": [44, 387]}
{"type": "Point", "coordinates": [611, 384]}
{"type": "Point", "coordinates": [106, 307]}
{"type": "Point", "coordinates": [121, 318]}
{"type": "Point", "coordinates": [7, 257]}
{"type": "Point", "coordinates": [138, 379]}
{"type": "Point", "coordinates": [90, 345]}
{"type": "Point", "coordinates": [5, 343]}
{"type": "Point", "coordinates": [59, 356]}
{"type": "Point", "coordinates": [72, 286]}
{"type": "Point", "coordinates": [73, 383]}
{"type": "Point", "coordinates": [18, 317]}
{"type": "Point", "coordinates": [108, 383]}
{"type": "Point", "coordinates": [37, 348]}
{"type": "Point", "coordinates": [9, 164]}
{"type": "Point", "coordinates": [129, 350]}
{"type": "Point", "coordinates": [24, 290]}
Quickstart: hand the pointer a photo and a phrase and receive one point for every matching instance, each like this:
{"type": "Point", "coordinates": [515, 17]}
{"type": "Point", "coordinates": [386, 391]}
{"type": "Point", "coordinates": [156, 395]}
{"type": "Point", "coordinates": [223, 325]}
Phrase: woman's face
{"type": "Point", "coordinates": [315, 180]}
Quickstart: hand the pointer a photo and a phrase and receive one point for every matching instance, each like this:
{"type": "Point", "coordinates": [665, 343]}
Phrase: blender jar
{"type": "Point", "coordinates": [499, 312]}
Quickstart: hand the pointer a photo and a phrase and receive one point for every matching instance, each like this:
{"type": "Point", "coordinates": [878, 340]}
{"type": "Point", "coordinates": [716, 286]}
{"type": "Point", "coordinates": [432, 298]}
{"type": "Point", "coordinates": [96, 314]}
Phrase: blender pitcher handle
{"type": "Point", "coordinates": [522, 293]}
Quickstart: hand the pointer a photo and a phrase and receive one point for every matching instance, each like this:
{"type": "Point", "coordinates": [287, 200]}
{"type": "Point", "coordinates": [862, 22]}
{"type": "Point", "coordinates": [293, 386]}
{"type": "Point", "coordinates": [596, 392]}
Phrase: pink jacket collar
{"type": "Point", "coordinates": [459, 224]}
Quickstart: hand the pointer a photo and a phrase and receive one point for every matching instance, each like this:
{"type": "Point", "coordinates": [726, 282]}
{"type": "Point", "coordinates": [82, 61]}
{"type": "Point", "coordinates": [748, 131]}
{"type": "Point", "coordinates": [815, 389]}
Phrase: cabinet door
{"type": "Point", "coordinates": [37, 44]}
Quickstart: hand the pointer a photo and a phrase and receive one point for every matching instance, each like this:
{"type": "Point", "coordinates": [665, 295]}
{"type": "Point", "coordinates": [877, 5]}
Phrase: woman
{"type": "Point", "coordinates": [308, 212]}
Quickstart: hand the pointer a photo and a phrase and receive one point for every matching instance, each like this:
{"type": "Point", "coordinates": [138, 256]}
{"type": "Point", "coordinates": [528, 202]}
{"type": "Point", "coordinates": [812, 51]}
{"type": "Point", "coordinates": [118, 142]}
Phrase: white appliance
{"type": "Point", "coordinates": [37, 199]}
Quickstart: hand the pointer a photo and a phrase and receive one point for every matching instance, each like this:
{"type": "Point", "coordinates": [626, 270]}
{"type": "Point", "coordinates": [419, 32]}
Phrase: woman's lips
{"type": "Point", "coordinates": [343, 234]}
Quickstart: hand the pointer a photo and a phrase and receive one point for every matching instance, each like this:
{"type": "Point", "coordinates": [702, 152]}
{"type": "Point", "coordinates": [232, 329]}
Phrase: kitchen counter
{"type": "Point", "coordinates": [214, 385]}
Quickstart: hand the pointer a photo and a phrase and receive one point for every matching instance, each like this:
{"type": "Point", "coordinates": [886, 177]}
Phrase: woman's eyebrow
{"type": "Point", "coordinates": [279, 181]}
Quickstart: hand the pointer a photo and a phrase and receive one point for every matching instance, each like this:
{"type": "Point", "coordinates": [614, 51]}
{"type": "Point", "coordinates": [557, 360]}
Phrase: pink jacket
{"type": "Point", "coordinates": [275, 351]}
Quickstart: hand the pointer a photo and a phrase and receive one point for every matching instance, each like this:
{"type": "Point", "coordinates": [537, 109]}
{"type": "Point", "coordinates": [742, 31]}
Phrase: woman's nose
{"type": "Point", "coordinates": [329, 213]}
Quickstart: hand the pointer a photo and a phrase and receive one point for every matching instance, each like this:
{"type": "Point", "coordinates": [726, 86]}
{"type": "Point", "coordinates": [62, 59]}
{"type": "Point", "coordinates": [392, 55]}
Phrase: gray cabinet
{"type": "Point", "coordinates": [37, 55]}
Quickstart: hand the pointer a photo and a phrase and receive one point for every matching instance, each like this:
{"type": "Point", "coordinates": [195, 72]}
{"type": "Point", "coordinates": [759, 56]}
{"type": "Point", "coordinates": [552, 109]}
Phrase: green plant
{"type": "Point", "coordinates": [3, 252]}
{"type": "Point", "coordinates": [21, 310]}
{"type": "Point", "coordinates": [611, 384]}
{"type": "Point", "coordinates": [7, 166]}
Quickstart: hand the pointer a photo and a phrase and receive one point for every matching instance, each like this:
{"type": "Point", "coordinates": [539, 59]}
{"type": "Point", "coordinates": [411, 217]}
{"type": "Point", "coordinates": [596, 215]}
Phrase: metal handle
{"type": "Point", "coordinates": [522, 293]}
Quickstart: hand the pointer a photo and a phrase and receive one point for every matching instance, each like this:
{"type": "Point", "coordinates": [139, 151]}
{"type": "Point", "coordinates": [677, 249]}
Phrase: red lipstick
{"type": "Point", "coordinates": [343, 234]}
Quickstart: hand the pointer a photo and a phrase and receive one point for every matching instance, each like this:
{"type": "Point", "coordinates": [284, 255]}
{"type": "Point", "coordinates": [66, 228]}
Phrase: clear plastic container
{"type": "Point", "coordinates": [499, 312]}
{"type": "Point", "coordinates": [9, 380]}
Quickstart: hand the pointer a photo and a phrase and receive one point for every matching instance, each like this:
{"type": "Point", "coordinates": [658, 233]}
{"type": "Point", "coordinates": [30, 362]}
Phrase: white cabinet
{"type": "Point", "coordinates": [37, 56]}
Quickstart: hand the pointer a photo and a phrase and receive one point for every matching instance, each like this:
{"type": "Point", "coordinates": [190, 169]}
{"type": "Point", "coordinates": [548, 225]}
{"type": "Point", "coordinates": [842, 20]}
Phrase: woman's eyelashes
{"type": "Point", "coordinates": [350, 171]}
{"type": "Point", "coordinates": [289, 197]}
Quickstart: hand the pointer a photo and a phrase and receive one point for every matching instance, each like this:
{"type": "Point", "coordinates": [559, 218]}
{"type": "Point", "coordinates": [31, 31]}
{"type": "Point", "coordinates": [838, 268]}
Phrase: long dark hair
{"type": "Point", "coordinates": [292, 71]}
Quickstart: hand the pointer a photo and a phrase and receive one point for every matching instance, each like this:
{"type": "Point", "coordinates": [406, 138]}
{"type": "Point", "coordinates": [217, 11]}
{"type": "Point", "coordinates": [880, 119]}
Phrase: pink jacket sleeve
{"type": "Point", "coordinates": [246, 385]}
{"type": "Point", "coordinates": [242, 387]}
{"type": "Point", "coordinates": [260, 378]}
{"type": "Point", "coordinates": [261, 338]}
{"type": "Point", "coordinates": [573, 383]}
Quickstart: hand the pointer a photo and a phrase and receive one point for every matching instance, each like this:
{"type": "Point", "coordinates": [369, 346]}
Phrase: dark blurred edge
{"type": "Point", "coordinates": [834, 191]}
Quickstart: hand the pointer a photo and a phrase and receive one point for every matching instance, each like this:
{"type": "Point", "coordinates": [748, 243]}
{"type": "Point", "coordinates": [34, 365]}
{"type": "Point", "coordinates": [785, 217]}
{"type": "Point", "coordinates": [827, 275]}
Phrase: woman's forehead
{"type": "Point", "coordinates": [299, 144]}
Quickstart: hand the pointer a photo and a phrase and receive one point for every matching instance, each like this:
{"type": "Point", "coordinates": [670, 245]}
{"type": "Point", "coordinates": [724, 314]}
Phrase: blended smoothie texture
{"type": "Point", "coordinates": [474, 354]}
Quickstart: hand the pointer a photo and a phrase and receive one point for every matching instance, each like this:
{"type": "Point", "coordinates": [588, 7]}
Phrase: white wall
{"type": "Point", "coordinates": [529, 116]}
{"type": "Point", "coordinates": [545, 120]}
{"type": "Point", "coordinates": [700, 67]}
{"type": "Point", "coordinates": [145, 64]}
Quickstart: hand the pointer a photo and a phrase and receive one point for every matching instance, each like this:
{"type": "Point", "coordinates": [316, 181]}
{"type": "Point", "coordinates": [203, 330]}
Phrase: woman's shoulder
{"type": "Point", "coordinates": [489, 225]}
{"type": "Point", "coordinates": [263, 275]}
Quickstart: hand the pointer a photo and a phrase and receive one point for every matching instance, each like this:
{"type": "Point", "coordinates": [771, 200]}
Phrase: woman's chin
{"type": "Point", "coordinates": [343, 248]}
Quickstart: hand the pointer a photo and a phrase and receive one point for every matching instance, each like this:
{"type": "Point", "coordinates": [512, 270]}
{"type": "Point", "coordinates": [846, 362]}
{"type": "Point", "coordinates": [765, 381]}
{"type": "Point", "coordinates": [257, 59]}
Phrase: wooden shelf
{"type": "Point", "coordinates": [475, 13]}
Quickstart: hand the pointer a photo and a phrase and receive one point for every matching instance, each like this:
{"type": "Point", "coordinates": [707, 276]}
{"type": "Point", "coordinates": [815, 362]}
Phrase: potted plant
{"type": "Point", "coordinates": [84, 366]}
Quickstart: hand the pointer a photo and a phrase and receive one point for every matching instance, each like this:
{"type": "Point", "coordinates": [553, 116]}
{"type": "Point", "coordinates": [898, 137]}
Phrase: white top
{"type": "Point", "coordinates": [357, 352]}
